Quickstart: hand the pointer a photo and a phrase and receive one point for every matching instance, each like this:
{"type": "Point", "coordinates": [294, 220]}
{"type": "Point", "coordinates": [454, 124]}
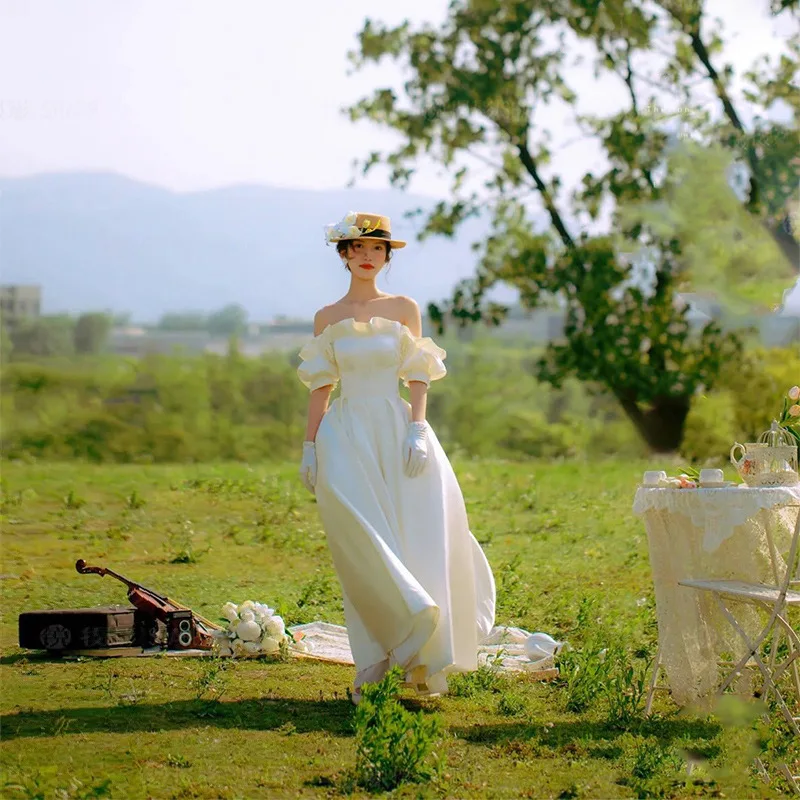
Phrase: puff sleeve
{"type": "Point", "coordinates": [318, 366]}
{"type": "Point", "coordinates": [421, 359]}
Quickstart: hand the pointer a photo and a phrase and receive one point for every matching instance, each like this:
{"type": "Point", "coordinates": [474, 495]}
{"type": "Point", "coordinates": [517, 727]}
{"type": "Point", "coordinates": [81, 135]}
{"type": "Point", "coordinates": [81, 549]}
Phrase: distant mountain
{"type": "Point", "coordinates": [97, 241]}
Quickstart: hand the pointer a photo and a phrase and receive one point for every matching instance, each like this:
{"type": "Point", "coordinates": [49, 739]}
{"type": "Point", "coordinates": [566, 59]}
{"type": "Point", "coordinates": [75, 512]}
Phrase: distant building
{"type": "Point", "coordinates": [19, 302]}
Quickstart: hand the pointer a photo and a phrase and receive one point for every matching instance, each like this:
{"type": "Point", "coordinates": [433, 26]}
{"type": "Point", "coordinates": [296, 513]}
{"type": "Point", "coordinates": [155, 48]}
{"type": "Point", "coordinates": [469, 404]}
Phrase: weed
{"type": "Point", "coordinates": [513, 597]}
{"type": "Point", "coordinates": [134, 500]}
{"type": "Point", "coordinates": [182, 544]}
{"type": "Point", "coordinates": [212, 679]}
{"type": "Point", "coordinates": [73, 500]}
{"type": "Point", "coordinates": [119, 532]}
{"type": "Point", "coordinates": [317, 595]}
{"type": "Point", "coordinates": [653, 770]}
{"type": "Point", "coordinates": [393, 746]}
{"type": "Point", "coordinates": [106, 683]}
{"type": "Point", "coordinates": [134, 697]}
{"type": "Point", "coordinates": [583, 675]}
{"type": "Point", "coordinates": [30, 788]}
{"type": "Point", "coordinates": [627, 690]}
{"type": "Point", "coordinates": [510, 704]}
{"type": "Point", "coordinates": [287, 729]}
{"type": "Point", "coordinates": [12, 500]}
{"type": "Point", "coordinates": [484, 679]}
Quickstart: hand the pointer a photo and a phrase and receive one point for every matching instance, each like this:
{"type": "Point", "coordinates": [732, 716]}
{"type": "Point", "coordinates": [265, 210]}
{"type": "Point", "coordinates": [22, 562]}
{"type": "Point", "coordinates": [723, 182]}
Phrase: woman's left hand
{"type": "Point", "coordinates": [415, 449]}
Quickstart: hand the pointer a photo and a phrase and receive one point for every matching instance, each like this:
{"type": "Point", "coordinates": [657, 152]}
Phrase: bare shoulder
{"type": "Point", "coordinates": [409, 313]}
{"type": "Point", "coordinates": [324, 317]}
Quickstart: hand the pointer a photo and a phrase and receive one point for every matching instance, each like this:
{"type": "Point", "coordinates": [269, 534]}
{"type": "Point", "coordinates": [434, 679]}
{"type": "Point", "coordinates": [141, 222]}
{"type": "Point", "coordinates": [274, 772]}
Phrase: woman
{"type": "Point", "coordinates": [418, 590]}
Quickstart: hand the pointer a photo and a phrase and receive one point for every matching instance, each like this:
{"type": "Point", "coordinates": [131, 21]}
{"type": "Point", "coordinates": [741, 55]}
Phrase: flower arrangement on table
{"type": "Point", "coordinates": [790, 415]}
{"type": "Point", "coordinates": [253, 629]}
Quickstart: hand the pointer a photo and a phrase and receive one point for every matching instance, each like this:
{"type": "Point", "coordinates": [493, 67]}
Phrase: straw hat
{"type": "Point", "coordinates": [362, 225]}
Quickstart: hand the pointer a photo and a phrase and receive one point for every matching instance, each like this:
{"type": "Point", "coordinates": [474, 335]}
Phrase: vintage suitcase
{"type": "Point", "coordinates": [86, 628]}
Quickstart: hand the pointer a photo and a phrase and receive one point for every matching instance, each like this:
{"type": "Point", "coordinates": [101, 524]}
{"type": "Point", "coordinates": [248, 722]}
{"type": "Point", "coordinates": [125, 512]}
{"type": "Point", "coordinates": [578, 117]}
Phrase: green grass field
{"type": "Point", "coordinates": [569, 558]}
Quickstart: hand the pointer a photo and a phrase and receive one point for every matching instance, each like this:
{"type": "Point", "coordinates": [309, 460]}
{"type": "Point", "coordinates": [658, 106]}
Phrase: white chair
{"type": "Point", "coordinates": [776, 600]}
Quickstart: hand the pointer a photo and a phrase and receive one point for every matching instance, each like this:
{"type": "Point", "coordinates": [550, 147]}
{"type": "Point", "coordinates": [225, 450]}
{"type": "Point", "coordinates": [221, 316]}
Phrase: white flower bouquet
{"type": "Point", "coordinates": [253, 629]}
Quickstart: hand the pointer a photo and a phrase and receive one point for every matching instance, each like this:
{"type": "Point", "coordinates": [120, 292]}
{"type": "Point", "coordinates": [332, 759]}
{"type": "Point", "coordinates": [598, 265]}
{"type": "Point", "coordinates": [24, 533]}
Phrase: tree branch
{"type": "Point", "coordinates": [780, 232]}
{"type": "Point", "coordinates": [530, 165]}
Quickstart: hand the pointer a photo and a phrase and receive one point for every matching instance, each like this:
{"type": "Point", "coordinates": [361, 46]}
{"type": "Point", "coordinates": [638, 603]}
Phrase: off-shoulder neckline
{"type": "Point", "coordinates": [358, 323]}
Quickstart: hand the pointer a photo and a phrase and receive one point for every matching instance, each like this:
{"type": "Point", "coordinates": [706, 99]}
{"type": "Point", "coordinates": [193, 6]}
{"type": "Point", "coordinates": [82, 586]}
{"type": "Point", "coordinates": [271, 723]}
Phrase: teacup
{"type": "Point", "coordinates": [713, 477]}
{"type": "Point", "coordinates": [652, 477]}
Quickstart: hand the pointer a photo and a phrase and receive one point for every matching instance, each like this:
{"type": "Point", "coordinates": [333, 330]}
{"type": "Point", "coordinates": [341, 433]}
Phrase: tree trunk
{"type": "Point", "coordinates": [661, 426]}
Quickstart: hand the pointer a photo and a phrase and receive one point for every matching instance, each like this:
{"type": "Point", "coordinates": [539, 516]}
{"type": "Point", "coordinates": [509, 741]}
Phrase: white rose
{"type": "Point", "coordinates": [274, 627]}
{"type": "Point", "coordinates": [350, 218]}
{"type": "Point", "coordinates": [238, 647]}
{"type": "Point", "coordinates": [230, 612]}
{"type": "Point", "coordinates": [252, 648]}
{"type": "Point", "coordinates": [248, 630]}
{"type": "Point", "coordinates": [248, 605]}
{"type": "Point", "coordinates": [269, 645]}
{"type": "Point", "coordinates": [353, 231]}
{"type": "Point", "coordinates": [794, 393]}
{"type": "Point", "coordinates": [224, 649]}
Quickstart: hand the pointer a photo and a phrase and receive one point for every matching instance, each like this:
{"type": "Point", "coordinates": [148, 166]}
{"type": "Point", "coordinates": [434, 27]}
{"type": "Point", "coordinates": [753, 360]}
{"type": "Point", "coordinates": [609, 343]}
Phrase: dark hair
{"type": "Point", "coordinates": [343, 246]}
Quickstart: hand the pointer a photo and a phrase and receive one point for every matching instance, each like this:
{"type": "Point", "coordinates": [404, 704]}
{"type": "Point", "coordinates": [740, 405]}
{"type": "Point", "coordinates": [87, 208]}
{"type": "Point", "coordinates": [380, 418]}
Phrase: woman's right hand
{"type": "Point", "coordinates": [308, 466]}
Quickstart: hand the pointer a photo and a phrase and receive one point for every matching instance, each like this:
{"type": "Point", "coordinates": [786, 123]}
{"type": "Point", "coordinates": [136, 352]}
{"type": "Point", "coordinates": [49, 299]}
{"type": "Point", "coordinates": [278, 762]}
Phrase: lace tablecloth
{"type": "Point", "coordinates": [714, 534]}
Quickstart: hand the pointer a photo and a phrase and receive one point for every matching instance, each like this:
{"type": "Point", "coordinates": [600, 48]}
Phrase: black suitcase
{"type": "Point", "coordinates": [58, 630]}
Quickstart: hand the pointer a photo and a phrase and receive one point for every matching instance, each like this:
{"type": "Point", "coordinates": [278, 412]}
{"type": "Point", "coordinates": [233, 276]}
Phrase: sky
{"type": "Point", "coordinates": [195, 94]}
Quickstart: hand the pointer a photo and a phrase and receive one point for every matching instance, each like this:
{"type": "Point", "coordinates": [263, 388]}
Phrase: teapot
{"type": "Point", "coordinates": [771, 461]}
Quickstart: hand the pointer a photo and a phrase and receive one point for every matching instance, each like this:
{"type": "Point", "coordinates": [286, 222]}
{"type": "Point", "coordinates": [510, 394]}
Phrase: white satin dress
{"type": "Point", "coordinates": [416, 585]}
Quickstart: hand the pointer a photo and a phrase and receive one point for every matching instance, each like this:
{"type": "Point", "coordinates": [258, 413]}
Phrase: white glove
{"type": "Point", "coordinates": [415, 449]}
{"type": "Point", "coordinates": [308, 466]}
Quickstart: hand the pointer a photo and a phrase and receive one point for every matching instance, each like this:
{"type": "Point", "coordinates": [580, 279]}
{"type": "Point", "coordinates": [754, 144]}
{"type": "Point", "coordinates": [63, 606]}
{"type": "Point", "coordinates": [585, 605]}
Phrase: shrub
{"type": "Point", "coordinates": [393, 746]}
{"type": "Point", "coordinates": [710, 428]}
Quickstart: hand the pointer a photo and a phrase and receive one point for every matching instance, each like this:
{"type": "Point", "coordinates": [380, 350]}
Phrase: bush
{"type": "Point", "coordinates": [211, 407]}
{"type": "Point", "coordinates": [710, 428]}
{"type": "Point", "coordinates": [742, 405]}
{"type": "Point", "coordinates": [527, 432]}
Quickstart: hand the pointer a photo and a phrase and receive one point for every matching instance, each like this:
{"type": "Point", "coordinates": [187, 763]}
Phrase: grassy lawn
{"type": "Point", "coordinates": [569, 558]}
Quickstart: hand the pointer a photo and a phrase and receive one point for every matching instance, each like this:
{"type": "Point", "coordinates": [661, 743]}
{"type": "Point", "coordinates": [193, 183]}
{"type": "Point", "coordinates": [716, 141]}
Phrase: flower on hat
{"type": "Point", "coordinates": [347, 228]}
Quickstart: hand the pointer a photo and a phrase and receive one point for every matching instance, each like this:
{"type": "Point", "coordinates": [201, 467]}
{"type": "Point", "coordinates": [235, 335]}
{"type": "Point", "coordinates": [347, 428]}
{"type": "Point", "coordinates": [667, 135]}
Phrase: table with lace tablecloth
{"type": "Point", "coordinates": [718, 534]}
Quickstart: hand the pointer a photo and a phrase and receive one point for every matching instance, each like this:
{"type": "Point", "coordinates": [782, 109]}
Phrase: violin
{"type": "Point", "coordinates": [159, 606]}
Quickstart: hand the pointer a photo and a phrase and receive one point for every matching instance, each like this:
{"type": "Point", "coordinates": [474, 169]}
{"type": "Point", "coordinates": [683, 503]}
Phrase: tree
{"type": "Point", "coordinates": [183, 321]}
{"type": "Point", "coordinates": [726, 250]}
{"type": "Point", "coordinates": [6, 345]}
{"type": "Point", "coordinates": [44, 336]}
{"type": "Point", "coordinates": [121, 319]}
{"type": "Point", "coordinates": [228, 321]}
{"type": "Point", "coordinates": [472, 89]}
{"type": "Point", "coordinates": [91, 332]}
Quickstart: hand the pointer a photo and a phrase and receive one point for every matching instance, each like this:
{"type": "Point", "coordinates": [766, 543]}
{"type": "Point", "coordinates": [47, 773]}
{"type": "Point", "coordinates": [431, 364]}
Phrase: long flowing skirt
{"type": "Point", "coordinates": [416, 584]}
